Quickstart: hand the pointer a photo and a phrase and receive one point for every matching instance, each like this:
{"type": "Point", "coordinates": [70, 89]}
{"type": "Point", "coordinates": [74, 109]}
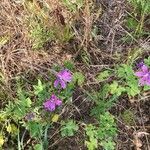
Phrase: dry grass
{"type": "Point", "coordinates": [16, 53]}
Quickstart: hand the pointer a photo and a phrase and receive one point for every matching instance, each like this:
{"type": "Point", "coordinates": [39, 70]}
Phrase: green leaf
{"type": "Point", "coordinates": [38, 147]}
{"type": "Point", "coordinates": [79, 78]}
{"type": "Point", "coordinates": [91, 132]}
{"type": "Point", "coordinates": [126, 73]}
{"type": "Point", "coordinates": [20, 94]}
{"type": "Point", "coordinates": [19, 112]}
{"type": "Point", "coordinates": [103, 75]}
{"type": "Point", "coordinates": [26, 102]}
{"type": "Point", "coordinates": [146, 88]}
{"type": "Point", "coordinates": [68, 128]}
{"type": "Point", "coordinates": [38, 88]}
{"type": "Point", "coordinates": [114, 87]}
{"type": "Point", "coordinates": [147, 61]}
{"type": "Point", "coordinates": [103, 106]}
{"type": "Point", "coordinates": [132, 23]}
{"type": "Point", "coordinates": [92, 144]}
{"type": "Point", "coordinates": [108, 145]}
{"type": "Point", "coordinates": [104, 92]}
{"type": "Point", "coordinates": [107, 126]}
{"type": "Point", "coordinates": [133, 90]}
{"type": "Point", "coordinates": [2, 140]}
{"type": "Point", "coordinates": [35, 129]}
{"type": "Point", "coordinates": [69, 65]}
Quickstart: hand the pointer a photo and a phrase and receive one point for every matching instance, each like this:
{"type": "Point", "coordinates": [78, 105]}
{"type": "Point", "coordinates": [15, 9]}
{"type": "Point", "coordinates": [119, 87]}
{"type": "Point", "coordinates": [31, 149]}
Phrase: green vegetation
{"type": "Point", "coordinates": [68, 128]}
{"type": "Point", "coordinates": [74, 74]}
{"type": "Point", "coordinates": [103, 134]}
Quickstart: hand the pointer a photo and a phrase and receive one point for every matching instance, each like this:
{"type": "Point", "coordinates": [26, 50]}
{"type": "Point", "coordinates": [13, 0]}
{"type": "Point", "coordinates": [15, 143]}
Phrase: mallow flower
{"type": "Point", "coordinates": [51, 103]}
{"type": "Point", "coordinates": [143, 74]}
{"type": "Point", "coordinates": [63, 77]}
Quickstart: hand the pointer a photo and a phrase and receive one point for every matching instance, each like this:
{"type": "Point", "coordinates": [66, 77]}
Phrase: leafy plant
{"type": "Point", "coordinates": [103, 75]}
{"type": "Point", "coordinates": [141, 5]}
{"type": "Point", "coordinates": [40, 35]}
{"type": "Point", "coordinates": [67, 34]}
{"type": "Point", "coordinates": [142, 9]}
{"type": "Point", "coordinates": [102, 106]}
{"type": "Point", "coordinates": [91, 132]}
{"type": "Point", "coordinates": [107, 126]}
{"type": "Point", "coordinates": [34, 128]}
{"type": "Point", "coordinates": [108, 145]}
{"type": "Point", "coordinates": [69, 128]}
{"type": "Point", "coordinates": [103, 134]}
{"type": "Point", "coordinates": [129, 81]}
{"type": "Point", "coordinates": [69, 65]}
{"type": "Point", "coordinates": [38, 88]}
{"type": "Point", "coordinates": [25, 113]}
{"type": "Point", "coordinates": [131, 23]}
{"type": "Point", "coordinates": [116, 89]}
{"type": "Point", "coordinates": [147, 61]}
{"type": "Point", "coordinates": [38, 147]}
{"type": "Point", "coordinates": [78, 78]}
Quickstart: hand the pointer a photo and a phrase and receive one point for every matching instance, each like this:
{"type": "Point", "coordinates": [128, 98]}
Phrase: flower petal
{"type": "Point", "coordinates": [148, 80]}
{"type": "Point", "coordinates": [49, 105]}
{"type": "Point", "coordinates": [63, 84]}
{"type": "Point", "coordinates": [139, 65]}
{"type": "Point", "coordinates": [144, 68]}
{"type": "Point", "coordinates": [58, 102]}
{"type": "Point", "coordinates": [141, 81]}
{"type": "Point", "coordinates": [139, 74]}
{"type": "Point", "coordinates": [65, 75]}
{"type": "Point", "coordinates": [56, 82]}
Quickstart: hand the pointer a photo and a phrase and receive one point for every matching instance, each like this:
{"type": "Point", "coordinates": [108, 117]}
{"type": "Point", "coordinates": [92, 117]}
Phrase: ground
{"type": "Point", "coordinates": [94, 35]}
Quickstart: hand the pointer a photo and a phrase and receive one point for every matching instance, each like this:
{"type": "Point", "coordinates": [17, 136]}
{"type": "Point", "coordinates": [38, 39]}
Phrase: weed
{"type": "Point", "coordinates": [103, 134]}
{"type": "Point", "coordinates": [103, 105]}
{"type": "Point", "coordinates": [103, 75]}
{"type": "Point", "coordinates": [32, 108]}
{"type": "Point", "coordinates": [91, 132]}
{"type": "Point", "coordinates": [78, 78]}
{"type": "Point", "coordinates": [42, 30]}
{"type": "Point", "coordinates": [68, 128]}
{"type": "Point", "coordinates": [40, 35]}
{"type": "Point", "coordinates": [27, 113]}
{"type": "Point", "coordinates": [141, 5]}
{"type": "Point", "coordinates": [142, 8]}
{"type": "Point", "coordinates": [107, 126]}
{"type": "Point", "coordinates": [147, 61]}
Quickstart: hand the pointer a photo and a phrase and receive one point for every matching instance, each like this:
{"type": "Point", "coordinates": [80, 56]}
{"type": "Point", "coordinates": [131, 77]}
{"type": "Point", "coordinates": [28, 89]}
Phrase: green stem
{"type": "Point", "coordinates": [19, 143]}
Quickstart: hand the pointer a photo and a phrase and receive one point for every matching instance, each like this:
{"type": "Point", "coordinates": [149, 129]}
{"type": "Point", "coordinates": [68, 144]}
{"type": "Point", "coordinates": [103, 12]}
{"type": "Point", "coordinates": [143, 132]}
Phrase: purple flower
{"type": "Point", "coordinates": [139, 65]}
{"type": "Point", "coordinates": [144, 75]}
{"type": "Point", "coordinates": [51, 104]}
{"type": "Point", "coordinates": [63, 77]}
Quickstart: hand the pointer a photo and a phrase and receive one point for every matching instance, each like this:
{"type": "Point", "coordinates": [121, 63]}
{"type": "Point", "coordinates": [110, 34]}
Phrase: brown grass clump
{"type": "Point", "coordinates": [16, 51]}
